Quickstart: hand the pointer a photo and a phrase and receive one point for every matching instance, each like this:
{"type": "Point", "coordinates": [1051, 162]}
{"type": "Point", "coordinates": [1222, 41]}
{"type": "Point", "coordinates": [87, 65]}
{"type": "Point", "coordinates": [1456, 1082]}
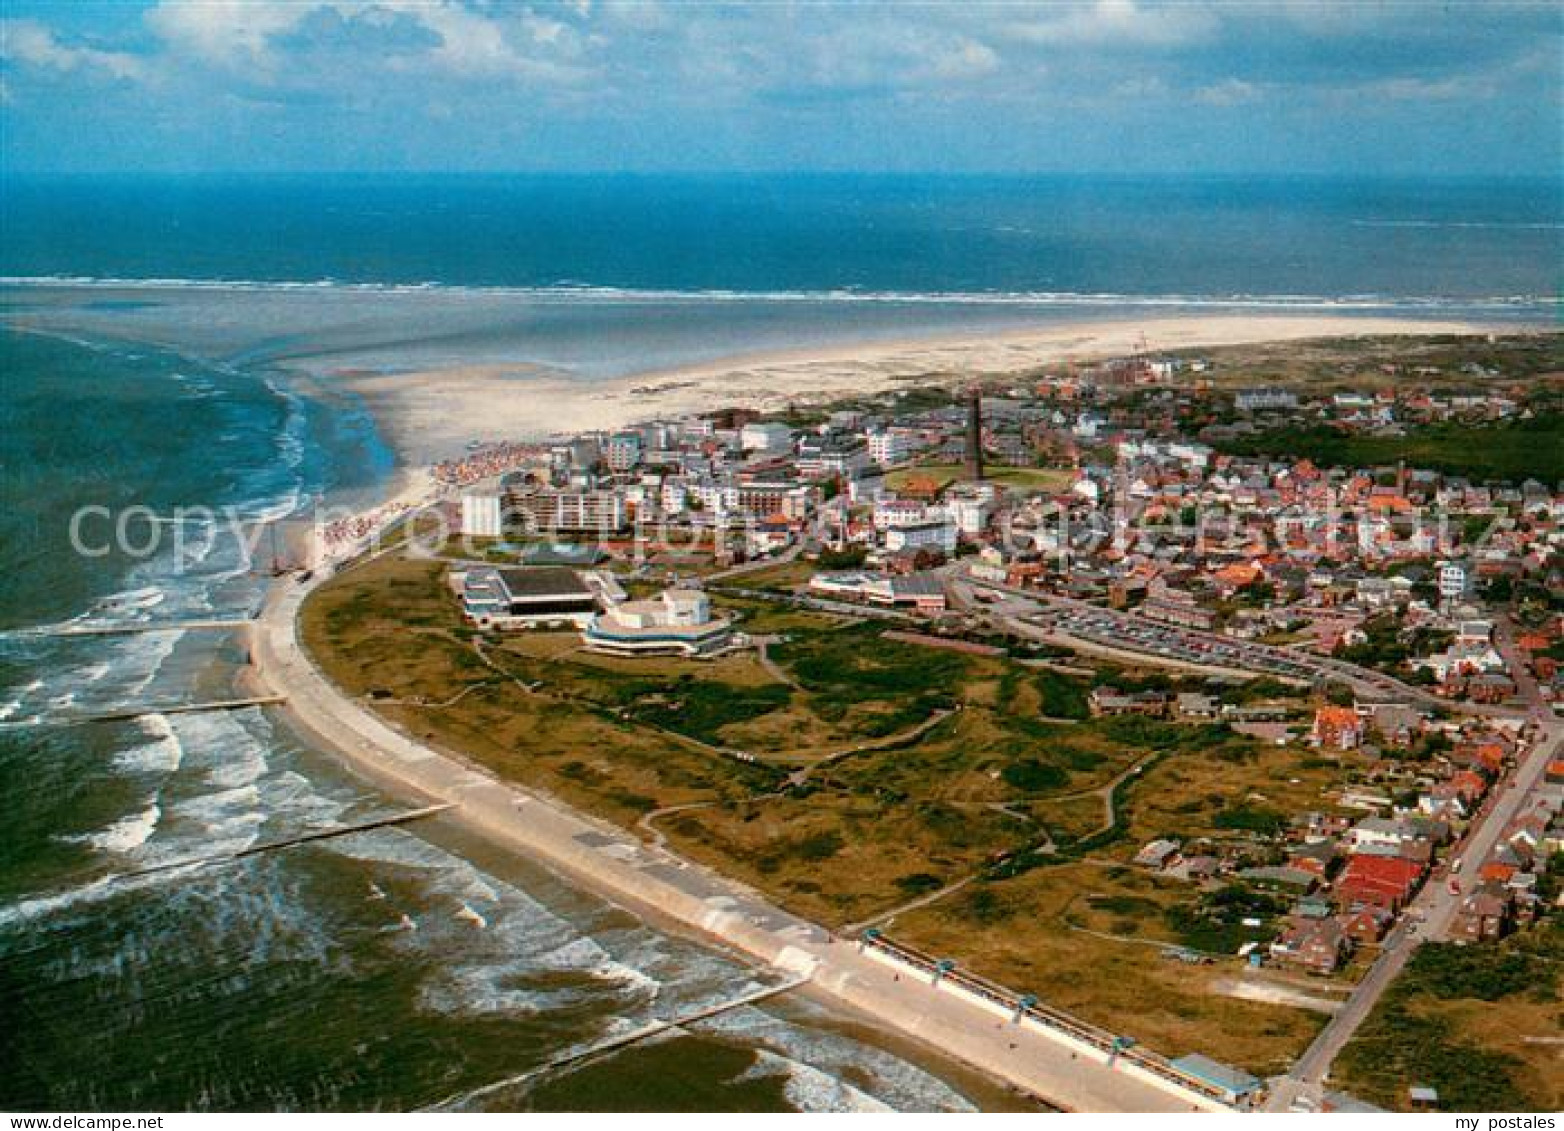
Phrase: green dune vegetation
{"type": "Point", "coordinates": [851, 777]}
{"type": "Point", "coordinates": [1512, 450]}
{"type": "Point", "coordinates": [1479, 1024]}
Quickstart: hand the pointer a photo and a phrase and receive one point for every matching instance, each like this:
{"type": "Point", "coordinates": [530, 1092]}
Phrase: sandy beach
{"type": "Point", "coordinates": [687, 896]}
{"type": "Point", "coordinates": [431, 415]}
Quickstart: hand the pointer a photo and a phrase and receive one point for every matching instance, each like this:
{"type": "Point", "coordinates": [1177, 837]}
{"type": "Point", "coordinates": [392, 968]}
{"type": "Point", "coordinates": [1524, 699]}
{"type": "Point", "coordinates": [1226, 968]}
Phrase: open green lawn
{"type": "Point", "coordinates": [758, 616]}
{"type": "Point", "coordinates": [785, 575]}
{"type": "Point", "coordinates": [1021, 478]}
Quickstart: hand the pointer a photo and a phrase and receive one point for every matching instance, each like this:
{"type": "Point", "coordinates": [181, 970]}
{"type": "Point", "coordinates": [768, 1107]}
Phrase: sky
{"type": "Point", "coordinates": [1117, 86]}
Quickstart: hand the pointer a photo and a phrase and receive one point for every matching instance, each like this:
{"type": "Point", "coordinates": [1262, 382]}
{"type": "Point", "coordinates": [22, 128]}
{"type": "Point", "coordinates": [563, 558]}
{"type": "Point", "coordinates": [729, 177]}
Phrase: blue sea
{"type": "Point", "coordinates": [170, 342]}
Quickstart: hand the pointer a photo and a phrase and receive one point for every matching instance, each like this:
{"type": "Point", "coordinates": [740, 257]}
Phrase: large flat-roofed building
{"type": "Point", "coordinates": [767, 437]}
{"type": "Point", "coordinates": [765, 498]}
{"type": "Point", "coordinates": [523, 598]}
{"type": "Point", "coordinates": [549, 512]}
{"type": "Point", "coordinates": [892, 445]}
{"type": "Point", "coordinates": [924, 592]}
{"type": "Point", "coordinates": [922, 535]}
{"type": "Point", "coordinates": [821, 457]}
{"type": "Point", "coordinates": [677, 621]}
{"type": "Point", "coordinates": [624, 451]}
{"type": "Point", "coordinates": [1455, 581]}
{"type": "Point", "coordinates": [481, 516]}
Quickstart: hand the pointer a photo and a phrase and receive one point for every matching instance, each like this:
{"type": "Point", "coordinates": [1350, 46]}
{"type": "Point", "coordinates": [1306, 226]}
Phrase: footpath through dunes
{"type": "Point", "coordinates": [1042, 1061]}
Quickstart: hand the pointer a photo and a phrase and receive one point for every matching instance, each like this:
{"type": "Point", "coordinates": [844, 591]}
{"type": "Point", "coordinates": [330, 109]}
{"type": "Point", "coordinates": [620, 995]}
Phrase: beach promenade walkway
{"type": "Point", "coordinates": [664, 887]}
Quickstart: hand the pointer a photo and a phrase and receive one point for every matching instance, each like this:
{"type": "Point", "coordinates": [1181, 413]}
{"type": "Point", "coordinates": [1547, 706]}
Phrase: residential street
{"type": "Point", "coordinates": [1430, 913]}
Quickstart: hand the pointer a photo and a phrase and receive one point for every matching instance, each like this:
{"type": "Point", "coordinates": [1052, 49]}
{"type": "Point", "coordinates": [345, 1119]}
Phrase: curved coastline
{"type": "Point", "coordinates": [650, 880]}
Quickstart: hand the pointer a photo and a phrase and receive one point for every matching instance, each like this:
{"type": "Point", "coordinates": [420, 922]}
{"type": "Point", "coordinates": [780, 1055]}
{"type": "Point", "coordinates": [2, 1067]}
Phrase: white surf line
{"type": "Point", "coordinates": [125, 714]}
{"type": "Point", "coordinates": [297, 839]}
{"type": "Point", "coordinates": [129, 628]}
{"type": "Point", "coordinates": [208, 519]}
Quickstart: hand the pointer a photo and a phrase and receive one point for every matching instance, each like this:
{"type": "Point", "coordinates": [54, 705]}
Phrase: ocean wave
{"type": "Point", "coordinates": [290, 439]}
{"type": "Point", "coordinates": [10, 707]}
{"type": "Point", "coordinates": [811, 1090]}
{"type": "Point", "coordinates": [39, 906]}
{"type": "Point", "coordinates": [504, 951]}
{"type": "Point", "coordinates": [1499, 225]}
{"type": "Point", "coordinates": [571, 292]}
{"type": "Point", "coordinates": [587, 955]}
{"type": "Point", "coordinates": [126, 834]}
{"type": "Point", "coordinates": [162, 755]}
{"type": "Point", "coordinates": [223, 813]}
{"type": "Point", "coordinates": [818, 1060]}
{"type": "Point", "coordinates": [138, 662]}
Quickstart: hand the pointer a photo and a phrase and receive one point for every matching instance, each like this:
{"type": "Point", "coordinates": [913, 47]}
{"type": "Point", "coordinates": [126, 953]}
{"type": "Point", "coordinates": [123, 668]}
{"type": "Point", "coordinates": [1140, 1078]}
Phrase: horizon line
{"type": "Point", "coordinates": [952, 174]}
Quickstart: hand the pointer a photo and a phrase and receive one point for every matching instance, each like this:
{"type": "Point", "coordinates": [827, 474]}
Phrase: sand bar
{"type": "Point", "coordinates": [431, 415]}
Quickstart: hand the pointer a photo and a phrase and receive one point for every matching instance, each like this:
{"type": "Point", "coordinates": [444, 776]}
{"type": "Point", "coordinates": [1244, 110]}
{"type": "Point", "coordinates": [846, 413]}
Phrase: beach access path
{"type": "Point", "coordinates": [669, 889]}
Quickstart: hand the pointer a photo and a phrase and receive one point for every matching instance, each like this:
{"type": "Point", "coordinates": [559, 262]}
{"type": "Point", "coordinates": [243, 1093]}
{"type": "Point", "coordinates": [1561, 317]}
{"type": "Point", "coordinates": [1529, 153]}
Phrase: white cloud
{"type": "Point", "coordinates": [1435, 90]}
{"type": "Point", "coordinates": [243, 34]}
{"type": "Point", "coordinates": [470, 43]}
{"type": "Point", "coordinates": [1140, 87]}
{"type": "Point", "coordinates": [1228, 92]}
{"type": "Point", "coordinates": [226, 32]}
{"type": "Point", "coordinates": [32, 44]}
{"type": "Point", "coordinates": [966, 59]}
{"type": "Point", "coordinates": [1120, 22]}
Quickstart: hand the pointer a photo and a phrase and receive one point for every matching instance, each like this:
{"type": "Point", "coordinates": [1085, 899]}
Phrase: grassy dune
{"type": "Point", "coordinates": [947, 767]}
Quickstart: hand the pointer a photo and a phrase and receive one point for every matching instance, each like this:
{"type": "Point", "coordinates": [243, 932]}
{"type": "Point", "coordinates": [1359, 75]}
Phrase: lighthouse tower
{"type": "Point", "coordinates": [974, 447]}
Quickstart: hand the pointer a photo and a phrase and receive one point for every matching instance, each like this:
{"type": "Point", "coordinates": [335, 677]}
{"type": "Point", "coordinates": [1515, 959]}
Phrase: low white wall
{"type": "Point", "coordinates": [1120, 1063]}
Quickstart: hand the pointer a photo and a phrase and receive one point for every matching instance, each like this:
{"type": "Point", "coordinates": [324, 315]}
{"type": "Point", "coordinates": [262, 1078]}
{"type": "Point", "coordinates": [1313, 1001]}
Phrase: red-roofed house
{"type": "Point", "coordinates": [1337, 727]}
{"type": "Point", "coordinates": [1378, 881]}
{"type": "Point", "coordinates": [1497, 872]}
{"type": "Point", "coordinates": [1469, 785]}
{"type": "Point", "coordinates": [1366, 924]}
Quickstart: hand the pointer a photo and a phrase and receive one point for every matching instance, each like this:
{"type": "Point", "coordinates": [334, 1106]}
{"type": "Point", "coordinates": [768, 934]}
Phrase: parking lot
{"type": "Point", "coordinates": [1118, 630]}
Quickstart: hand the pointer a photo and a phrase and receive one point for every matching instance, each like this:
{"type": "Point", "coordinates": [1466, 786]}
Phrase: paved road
{"type": "Point", "coordinates": [1436, 905]}
{"type": "Point", "coordinates": [1529, 691]}
{"type": "Point", "coordinates": [782, 559]}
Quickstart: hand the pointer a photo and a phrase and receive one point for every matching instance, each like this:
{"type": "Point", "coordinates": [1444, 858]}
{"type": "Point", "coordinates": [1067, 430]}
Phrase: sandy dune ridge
{"type": "Point", "coordinates": [433, 414]}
